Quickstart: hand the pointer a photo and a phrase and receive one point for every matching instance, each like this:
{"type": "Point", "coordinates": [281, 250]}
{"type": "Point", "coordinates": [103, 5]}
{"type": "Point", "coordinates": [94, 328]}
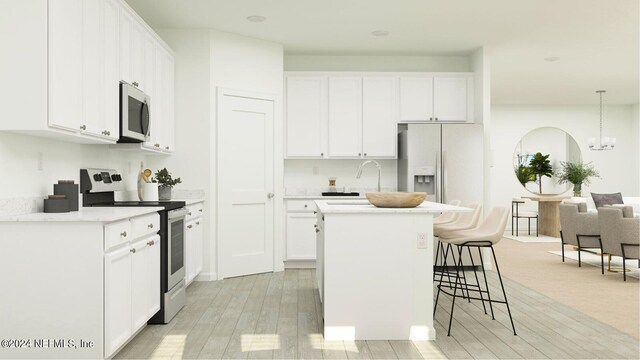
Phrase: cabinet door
{"type": "Point", "coordinates": [153, 275]}
{"type": "Point", "coordinates": [198, 237]}
{"type": "Point", "coordinates": [450, 98]}
{"type": "Point", "coordinates": [111, 79]}
{"type": "Point", "coordinates": [345, 117]}
{"type": "Point", "coordinates": [189, 249]}
{"type": "Point", "coordinates": [65, 64]}
{"type": "Point", "coordinates": [306, 104]}
{"type": "Point", "coordinates": [126, 24]}
{"type": "Point", "coordinates": [139, 284]}
{"type": "Point", "coordinates": [117, 298]}
{"type": "Point", "coordinates": [416, 99]}
{"type": "Point", "coordinates": [92, 69]}
{"type": "Point", "coordinates": [168, 126]}
{"type": "Point", "coordinates": [301, 237]}
{"type": "Point", "coordinates": [379, 117]}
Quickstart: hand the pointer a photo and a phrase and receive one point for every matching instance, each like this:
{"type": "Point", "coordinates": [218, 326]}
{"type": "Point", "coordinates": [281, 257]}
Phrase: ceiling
{"type": "Point", "coordinates": [597, 41]}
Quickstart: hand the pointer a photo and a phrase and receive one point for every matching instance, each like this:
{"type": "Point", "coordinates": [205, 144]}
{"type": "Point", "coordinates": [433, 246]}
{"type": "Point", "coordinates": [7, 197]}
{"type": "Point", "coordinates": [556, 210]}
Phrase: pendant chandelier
{"type": "Point", "coordinates": [604, 143]}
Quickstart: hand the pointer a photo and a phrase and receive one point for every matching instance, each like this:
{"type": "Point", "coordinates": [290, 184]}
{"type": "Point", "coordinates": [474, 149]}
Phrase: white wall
{"type": "Point", "coordinates": [619, 168]}
{"type": "Point", "coordinates": [21, 177]}
{"type": "Point", "coordinates": [375, 63]}
{"type": "Point", "coordinates": [301, 174]}
{"type": "Point", "coordinates": [242, 63]}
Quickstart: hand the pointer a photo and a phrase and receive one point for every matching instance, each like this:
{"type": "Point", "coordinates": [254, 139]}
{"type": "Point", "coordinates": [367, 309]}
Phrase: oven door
{"type": "Point", "coordinates": [134, 114]}
{"type": "Point", "coordinates": [176, 247]}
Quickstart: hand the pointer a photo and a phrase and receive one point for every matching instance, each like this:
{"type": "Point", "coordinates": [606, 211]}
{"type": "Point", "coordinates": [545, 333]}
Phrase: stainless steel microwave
{"type": "Point", "coordinates": [134, 114]}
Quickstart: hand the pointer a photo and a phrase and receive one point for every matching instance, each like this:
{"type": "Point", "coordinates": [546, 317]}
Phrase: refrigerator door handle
{"type": "Point", "coordinates": [444, 178]}
{"type": "Point", "coordinates": [436, 187]}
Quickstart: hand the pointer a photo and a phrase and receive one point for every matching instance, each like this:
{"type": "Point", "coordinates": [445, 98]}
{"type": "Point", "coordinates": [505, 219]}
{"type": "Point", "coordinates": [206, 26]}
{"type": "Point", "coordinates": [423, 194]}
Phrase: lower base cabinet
{"type": "Point", "coordinates": [194, 244]}
{"type": "Point", "coordinates": [132, 290]}
{"type": "Point", "coordinates": [300, 231]}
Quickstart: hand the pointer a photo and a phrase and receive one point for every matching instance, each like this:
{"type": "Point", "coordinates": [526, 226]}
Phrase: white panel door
{"type": "Point", "coordinates": [65, 64]}
{"type": "Point", "coordinates": [345, 117]}
{"type": "Point", "coordinates": [305, 112]}
{"type": "Point", "coordinates": [117, 299]}
{"type": "Point", "coordinates": [301, 236]}
{"type": "Point", "coordinates": [379, 117]}
{"type": "Point", "coordinates": [450, 98]}
{"type": "Point", "coordinates": [245, 184]}
{"type": "Point", "coordinates": [416, 99]}
{"type": "Point", "coordinates": [153, 276]}
{"type": "Point", "coordinates": [139, 284]}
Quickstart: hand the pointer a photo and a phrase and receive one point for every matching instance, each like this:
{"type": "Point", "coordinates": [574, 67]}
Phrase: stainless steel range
{"type": "Point", "coordinates": [98, 187]}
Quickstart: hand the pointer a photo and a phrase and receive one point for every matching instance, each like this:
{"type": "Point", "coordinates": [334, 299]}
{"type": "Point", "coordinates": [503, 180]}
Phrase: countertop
{"type": "Point", "coordinates": [318, 197]}
{"type": "Point", "coordinates": [86, 214]}
{"type": "Point", "coordinates": [346, 206]}
{"type": "Point", "coordinates": [189, 201]}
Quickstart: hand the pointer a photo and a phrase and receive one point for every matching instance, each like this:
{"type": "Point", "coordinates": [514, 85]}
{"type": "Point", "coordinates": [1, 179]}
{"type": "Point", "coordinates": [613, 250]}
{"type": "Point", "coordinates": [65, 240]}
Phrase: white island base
{"type": "Point", "coordinates": [375, 270]}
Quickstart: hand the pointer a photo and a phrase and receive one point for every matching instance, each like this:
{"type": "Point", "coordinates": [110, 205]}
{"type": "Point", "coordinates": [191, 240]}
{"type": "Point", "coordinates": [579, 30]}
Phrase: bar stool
{"type": "Point", "coordinates": [517, 214]}
{"type": "Point", "coordinates": [466, 220]}
{"type": "Point", "coordinates": [484, 236]}
{"type": "Point", "coordinates": [447, 217]}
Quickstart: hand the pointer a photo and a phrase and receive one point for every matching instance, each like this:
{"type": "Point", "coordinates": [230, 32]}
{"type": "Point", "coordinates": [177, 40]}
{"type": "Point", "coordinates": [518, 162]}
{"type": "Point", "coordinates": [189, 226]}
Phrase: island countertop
{"type": "Point", "coordinates": [354, 206]}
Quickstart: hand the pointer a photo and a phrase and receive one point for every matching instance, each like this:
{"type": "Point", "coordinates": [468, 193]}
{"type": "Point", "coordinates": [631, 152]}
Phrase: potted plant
{"type": "Point", "coordinates": [166, 182]}
{"type": "Point", "coordinates": [577, 173]}
{"type": "Point", "coordinates": [524, 174]}
{"type": "Point", "coordinates": [540, 166]}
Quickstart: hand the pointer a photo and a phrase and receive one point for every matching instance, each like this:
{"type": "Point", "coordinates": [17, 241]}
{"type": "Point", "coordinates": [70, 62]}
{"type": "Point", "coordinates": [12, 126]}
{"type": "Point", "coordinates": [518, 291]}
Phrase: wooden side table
{"type": "Point", "coordinates": [549, 213]}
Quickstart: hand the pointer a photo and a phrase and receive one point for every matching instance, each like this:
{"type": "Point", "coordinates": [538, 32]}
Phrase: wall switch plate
{"type": "Point", "coordinates": [316, 170]}
{"type": "Point", "coordinates": [422, 241]}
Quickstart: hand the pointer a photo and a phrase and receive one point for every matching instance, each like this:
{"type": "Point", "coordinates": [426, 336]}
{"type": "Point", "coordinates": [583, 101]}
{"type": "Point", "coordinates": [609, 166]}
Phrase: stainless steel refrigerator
{"type": "Point", "coordinates": [443, 160]}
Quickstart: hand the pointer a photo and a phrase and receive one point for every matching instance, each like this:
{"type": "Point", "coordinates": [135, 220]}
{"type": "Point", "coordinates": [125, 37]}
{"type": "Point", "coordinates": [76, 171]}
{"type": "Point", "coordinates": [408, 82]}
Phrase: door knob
{"type": "Point", "coordinates": [270, 195]}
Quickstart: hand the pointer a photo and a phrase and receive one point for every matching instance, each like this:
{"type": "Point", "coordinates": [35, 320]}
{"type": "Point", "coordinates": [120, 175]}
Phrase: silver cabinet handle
{"type": "Point", "coordinates": [197, 222]}
{"type": "Point", "coordinates": [200, 210]}
{"type": "Point", "coordinates": [150, 226]}
{"type": "Point", "coordinates": [150, 243]}
{"type": "Point", "coordinates": [365, 154]}
{"type": "Point", "coordinates": [123, 234]}
{"type": "Point", "coordinates": [135, 83]}
{"type": "Point", "coordinates": [156, 145]}
{"type": "Point", "coordinates": [306, 206]}
{"type": "Point", "coordinates": [189, 213]}
{"type": "Point", "coordinates": [270, 195]}
{"type": "Point", "coordinates": [133, 250]}
{"type": "Point", "coordinates": [166, 148]}
{"type": "Point", "coordinates": [436, 119]}
{"type": "Point", "coordinates": [317, 230]}
{"type": "Point", "coordinates": [189, 226]}
{"type": "Point", "coordinates": [321, 154]}
{"type": "Point", "coordinates": [314, 212]}
{"type": "Point", "coordinates": [359, 154]}
{"type": "Point", "coordinates": [83, 127]}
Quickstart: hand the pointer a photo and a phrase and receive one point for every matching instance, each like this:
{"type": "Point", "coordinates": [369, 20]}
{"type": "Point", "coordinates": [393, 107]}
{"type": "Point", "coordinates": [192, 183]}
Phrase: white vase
{"type": "Point", "coordinates": [150, 192]}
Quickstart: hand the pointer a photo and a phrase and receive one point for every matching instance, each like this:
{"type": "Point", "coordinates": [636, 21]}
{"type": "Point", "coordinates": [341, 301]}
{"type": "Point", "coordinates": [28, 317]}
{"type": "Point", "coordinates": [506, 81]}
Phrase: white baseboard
{"type": "Point", "coordinates": [206, 277]}
{"type": "Point", "coordinates": [300, 264]}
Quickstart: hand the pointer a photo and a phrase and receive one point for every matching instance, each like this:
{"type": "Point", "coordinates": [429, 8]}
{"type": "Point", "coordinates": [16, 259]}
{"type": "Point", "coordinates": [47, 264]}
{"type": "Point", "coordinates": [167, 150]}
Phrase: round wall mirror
{"type": "Point", "coordinates": [538, 157]}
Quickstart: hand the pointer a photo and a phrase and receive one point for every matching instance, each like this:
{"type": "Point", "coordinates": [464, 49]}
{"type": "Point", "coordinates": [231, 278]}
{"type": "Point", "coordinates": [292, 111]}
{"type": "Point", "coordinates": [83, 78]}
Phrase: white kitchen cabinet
{"type": "Point", "coordinates": [439, 97]}
{"type": "Point", "coordinates": [416, 98]}
{"type": "Point", "coordinates": [300, 236]}
{"type": "Point", "coordinates": [306, 116]}
{"type": "Point", "coordinates": [117, 293]}
{"type": "Point", "coordinates": [345, 117]}
{"type": "Point", "coordinates": [140, 261]}
{"type": "Point", "coordinates": [194, 242]}
{"type": "Point", "coordinates": [451, 96]}
{"type": "Point", "coordinates": [100, 70]}
{"type": "Point", "coordinates": [132, 46]}
{"type": "Point", "coordinates": [153, 277]}
{"type": "Point", "coordinates": [65, 64]}
{"type": "Point", "coordinates": [379, 116]}
{"type": "Point", "coordinates": [161, 135]}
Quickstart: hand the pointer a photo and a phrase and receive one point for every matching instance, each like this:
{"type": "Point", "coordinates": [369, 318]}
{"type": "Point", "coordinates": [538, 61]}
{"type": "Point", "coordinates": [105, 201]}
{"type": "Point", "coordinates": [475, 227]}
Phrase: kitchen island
{"type": "Point", "coordinates": [375, 269]}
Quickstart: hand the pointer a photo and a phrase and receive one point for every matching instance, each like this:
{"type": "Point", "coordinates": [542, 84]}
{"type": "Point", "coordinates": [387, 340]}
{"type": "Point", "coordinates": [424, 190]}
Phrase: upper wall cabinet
{"type": "Point", "coordinates": [379, 116]}
{"type": "Point", "coordinates": [345, 117]}
{"type": "Point", "coordinates": [65, 60]}
{"type": "Point", "coordinates": [441, 97]}
{"type": "Point", "coordinates": [306, 114]}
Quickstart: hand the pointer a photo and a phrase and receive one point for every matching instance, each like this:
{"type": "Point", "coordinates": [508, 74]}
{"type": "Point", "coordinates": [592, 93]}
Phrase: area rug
{"type": "Point", "coordinates": [532, 238]}
{"type": "Point", "coordinates": [594, 260]}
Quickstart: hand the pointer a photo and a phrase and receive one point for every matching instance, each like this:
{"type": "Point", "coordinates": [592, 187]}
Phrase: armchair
{"type": "Point", "coordinates": [620, 232]}
{"type": "Point", "coordinates": [580, 228]}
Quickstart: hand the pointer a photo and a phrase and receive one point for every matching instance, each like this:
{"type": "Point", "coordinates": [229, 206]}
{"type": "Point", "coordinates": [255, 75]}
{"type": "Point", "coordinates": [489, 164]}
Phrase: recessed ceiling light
{"type": "Point", "coordinates": [256, 18]}
{"type": "Point", "coordinates": [380, 33]}
{"type": "Point", "coordinates": [551, 58]}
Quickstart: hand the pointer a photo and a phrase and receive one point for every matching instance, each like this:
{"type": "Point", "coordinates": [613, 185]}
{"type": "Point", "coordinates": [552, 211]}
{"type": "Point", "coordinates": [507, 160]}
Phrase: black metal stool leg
{"type": "Point", "coordinates": [486, 284]}
{"type": "Point", "coordinates": [435, 262]}
{"type": "Point", "coordinates": [475, 273]}
{"type": "Point", "coordinates": [503, 292]}
{"type": "Point", "coordinates": [444, 266]}
{"type": "Point", "coordinates": [455, 288]}
{"type": "Point", "coordinates": [562, 242]}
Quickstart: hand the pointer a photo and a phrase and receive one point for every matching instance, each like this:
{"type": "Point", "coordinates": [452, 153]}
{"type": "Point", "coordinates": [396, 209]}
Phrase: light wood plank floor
{"type": "Point", "coordinates": [278, 316]}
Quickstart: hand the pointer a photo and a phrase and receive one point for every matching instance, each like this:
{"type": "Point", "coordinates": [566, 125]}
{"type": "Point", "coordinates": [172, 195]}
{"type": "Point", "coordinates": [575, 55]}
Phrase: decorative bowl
{"type": "Point", "coordinates": [396, 199]}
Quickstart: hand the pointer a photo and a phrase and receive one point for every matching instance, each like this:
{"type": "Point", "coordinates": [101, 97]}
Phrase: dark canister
{"type": "Point", "coordinates": [70, 190]}
{"type": "Point", "coordinates": [56, 204]}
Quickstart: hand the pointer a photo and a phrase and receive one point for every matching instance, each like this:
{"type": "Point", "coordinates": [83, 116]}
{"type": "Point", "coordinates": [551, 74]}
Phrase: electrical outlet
{"type": "Point", "coordinates": [40, 161]}
{"type": "Point", "coordinates": [422, 241]}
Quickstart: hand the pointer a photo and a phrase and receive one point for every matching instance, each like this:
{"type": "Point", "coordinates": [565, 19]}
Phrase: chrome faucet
{"type": "Point", "coordinates": [369, 162]}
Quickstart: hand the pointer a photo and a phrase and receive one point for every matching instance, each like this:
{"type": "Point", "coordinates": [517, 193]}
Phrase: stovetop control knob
{"type": "Point", "coordinates": [116, 177]}
{"type": "Point", "coordinates": [97, 177]}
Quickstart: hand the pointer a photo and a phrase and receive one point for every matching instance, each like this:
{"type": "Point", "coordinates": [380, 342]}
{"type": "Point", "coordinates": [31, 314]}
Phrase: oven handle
{"type": "Point", "coordinates": [182, 212]}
